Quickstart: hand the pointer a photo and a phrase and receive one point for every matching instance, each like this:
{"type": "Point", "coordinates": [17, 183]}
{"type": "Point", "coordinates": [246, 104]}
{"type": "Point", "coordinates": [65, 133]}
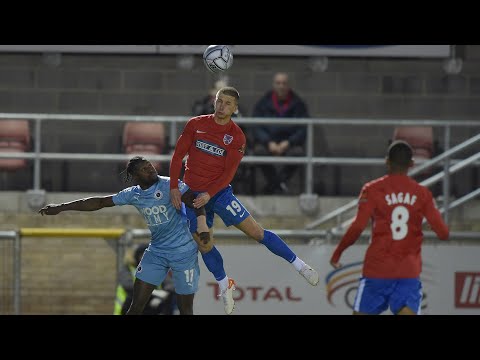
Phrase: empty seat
{"type": "Point", "coordinates": [420, 139]}
{"type": "Point", "coordinates": [144, 138]}
{"type": "Point", "coordinates": [14, 137]}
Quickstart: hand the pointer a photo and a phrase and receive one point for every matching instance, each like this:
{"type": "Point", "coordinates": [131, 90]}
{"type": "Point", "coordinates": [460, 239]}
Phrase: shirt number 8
{"type": "Point", "coordinates": [399, 226]}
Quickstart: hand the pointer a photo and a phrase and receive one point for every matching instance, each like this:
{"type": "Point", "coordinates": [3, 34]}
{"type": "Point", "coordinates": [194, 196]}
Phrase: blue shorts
{"type": "Point", "coordinates": [153, 269]}
{"type": "Point", "coordinates": [374, 296]}
{"type": "Point", "coordinates": [224, 204]}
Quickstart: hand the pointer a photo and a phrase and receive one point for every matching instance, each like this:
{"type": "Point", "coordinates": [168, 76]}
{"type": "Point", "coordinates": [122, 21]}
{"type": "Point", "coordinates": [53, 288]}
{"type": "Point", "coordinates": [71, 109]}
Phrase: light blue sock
{"type": "Point", "coordinates": [277, 246]}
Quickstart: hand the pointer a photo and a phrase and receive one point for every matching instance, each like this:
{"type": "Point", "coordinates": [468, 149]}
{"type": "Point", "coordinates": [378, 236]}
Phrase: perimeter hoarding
{"type": "Point", "coordinates": [266, 284]}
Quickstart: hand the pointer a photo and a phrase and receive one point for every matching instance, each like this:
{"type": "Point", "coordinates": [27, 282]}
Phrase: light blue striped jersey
{"type": "Point", "coordinates": [170, 232]}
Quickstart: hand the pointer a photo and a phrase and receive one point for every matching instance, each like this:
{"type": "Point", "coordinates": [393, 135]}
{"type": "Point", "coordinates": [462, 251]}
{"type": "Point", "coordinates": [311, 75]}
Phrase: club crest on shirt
{"type": "Point", "coordinates": [158, 195]}
{"type": "Point", "coordinates": [227, 139]}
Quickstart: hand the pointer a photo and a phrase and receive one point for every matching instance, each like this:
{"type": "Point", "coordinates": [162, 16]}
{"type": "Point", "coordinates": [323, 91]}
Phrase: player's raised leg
{"type": "Point", "coordinates": [232, 212]}
{"type": "Point", "coordinates": [277, 246]}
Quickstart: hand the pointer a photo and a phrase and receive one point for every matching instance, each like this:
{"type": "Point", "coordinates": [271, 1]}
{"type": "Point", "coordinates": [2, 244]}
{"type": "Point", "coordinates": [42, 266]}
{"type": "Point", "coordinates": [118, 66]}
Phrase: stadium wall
{"type": "Point", "coordinates": [154, 85]}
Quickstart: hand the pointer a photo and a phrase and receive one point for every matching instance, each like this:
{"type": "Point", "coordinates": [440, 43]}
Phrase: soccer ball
{"type": "Point", "coordinates": [218, 58]}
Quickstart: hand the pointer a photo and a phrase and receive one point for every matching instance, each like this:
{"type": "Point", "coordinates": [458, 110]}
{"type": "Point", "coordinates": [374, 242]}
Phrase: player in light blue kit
{"type": "Point", "coordinates": [172, 246]}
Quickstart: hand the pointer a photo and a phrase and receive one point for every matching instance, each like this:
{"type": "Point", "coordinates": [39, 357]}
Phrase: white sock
{"type": "Point", "coordinates": [298, 263]}
{"type": "Point", "coordinates": [223, 284]}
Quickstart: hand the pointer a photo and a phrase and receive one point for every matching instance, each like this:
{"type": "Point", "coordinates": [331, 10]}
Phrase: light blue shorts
{"type": "Point", "coordinates": [153, 269]}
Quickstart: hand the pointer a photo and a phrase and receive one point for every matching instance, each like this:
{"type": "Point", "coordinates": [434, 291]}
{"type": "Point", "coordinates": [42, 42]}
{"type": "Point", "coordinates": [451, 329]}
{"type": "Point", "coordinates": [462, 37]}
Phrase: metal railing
{"type": "Point", "coordinates": [457, 165]}
{"type": "Point", "coordinates": [447, 206]}
{"type": "Point", "coordinates": [309, 160]}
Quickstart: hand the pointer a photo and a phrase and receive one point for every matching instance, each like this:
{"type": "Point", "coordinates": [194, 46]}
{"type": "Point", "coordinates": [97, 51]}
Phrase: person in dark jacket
{"type": "Point", "coordinates": [277, 140]}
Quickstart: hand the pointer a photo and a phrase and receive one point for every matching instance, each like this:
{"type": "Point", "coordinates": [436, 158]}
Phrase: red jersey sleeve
{"type": "Point", "coordinates": [434, 217]}
{"type": "Point", "coordinates": [364, 213]}
{"type": "Point", "coordinates": [183, 144]}
{"type": "Point", "coordinates": [232, 160]}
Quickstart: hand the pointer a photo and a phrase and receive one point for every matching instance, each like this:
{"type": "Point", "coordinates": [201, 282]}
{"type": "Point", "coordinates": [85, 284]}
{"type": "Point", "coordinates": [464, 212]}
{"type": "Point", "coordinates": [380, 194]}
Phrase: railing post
{"type": "Point", "coordinates": [37, 161]}
{"type": "Point", "coordinates": [309, 165]}
{"type": "Point", "coordinates": [123, 242]}
{"type": "Point", "coordinates": [173, 135]}
{"type": "Point", "coordinates": [446, 179]}
{"type": "Point", "coordinates": [17, 273]}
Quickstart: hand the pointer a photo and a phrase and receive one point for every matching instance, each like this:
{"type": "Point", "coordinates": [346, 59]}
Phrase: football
{"type": "Point", "coordinates": [218, 58]}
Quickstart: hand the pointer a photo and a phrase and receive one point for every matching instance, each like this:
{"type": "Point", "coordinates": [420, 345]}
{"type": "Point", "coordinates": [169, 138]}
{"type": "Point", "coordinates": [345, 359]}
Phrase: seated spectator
{"type": "Point", "coordinates": [278, 140]}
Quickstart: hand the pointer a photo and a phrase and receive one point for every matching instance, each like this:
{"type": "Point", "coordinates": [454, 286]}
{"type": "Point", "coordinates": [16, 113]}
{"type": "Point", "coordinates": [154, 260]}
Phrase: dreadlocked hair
{"type": "Point", "coordinates": [132, 167]}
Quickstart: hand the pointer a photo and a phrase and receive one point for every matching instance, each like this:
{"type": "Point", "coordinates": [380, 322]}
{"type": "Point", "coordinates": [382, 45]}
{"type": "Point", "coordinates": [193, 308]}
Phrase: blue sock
{"type": "Point", "coordinates": [277, 246]}
{"type": "Point", "coordinates": [214, 262]}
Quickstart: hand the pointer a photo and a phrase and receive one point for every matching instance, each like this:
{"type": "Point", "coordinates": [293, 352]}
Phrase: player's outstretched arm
{"type": "Point", "coordinates": [364, 212]}
{"type": "Point", "coordinates": [86, 204]}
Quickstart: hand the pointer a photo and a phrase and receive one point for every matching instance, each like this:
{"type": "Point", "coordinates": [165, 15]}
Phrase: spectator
{"type": "Point", "coordinates": [279, 140]}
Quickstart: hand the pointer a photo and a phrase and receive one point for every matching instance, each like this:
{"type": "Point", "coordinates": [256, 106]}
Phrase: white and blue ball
{"type": "Point", "coordinates": [218, 58]}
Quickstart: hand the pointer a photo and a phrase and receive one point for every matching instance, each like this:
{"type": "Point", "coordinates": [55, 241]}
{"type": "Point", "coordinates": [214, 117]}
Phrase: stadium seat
{"type": "Point", "coordinates": [144, 138]}
{"type": "Point", "coordinates": [420, 139]}
{"type": "Point", "coordinates": [14, 137]}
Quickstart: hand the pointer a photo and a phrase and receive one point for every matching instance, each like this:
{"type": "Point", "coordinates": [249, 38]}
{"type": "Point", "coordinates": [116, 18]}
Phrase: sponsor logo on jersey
{"type": "Point", "coordinates": [209, 148]}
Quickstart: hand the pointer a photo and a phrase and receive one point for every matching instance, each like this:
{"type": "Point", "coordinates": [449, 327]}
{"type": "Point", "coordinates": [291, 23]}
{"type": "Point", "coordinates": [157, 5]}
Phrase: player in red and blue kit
{"type": "Point", "coordinates": [397, 205]}
{"type": "Point", "coordinates": [215, 146]}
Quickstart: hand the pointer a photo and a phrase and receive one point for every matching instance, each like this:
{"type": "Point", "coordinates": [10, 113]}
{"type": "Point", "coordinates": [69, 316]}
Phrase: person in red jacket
{"type": "Point", "coordinates": [397, 205]}
{"type": "Point", "coordinates": [215, 145]}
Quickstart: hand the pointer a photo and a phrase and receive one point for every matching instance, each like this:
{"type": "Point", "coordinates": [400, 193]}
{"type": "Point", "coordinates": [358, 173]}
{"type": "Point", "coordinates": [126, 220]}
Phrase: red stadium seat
{"type": "Point", "coordinates": [14, 137]}
{"type": "Point", "coordinates": [144, 138]}
{"type": "Point", "coordinates": [420, 139]}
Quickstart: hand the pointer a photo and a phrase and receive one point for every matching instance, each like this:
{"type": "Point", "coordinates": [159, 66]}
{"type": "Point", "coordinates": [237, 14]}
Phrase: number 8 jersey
{"type": "Point", "coordinates": [397, 205]}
